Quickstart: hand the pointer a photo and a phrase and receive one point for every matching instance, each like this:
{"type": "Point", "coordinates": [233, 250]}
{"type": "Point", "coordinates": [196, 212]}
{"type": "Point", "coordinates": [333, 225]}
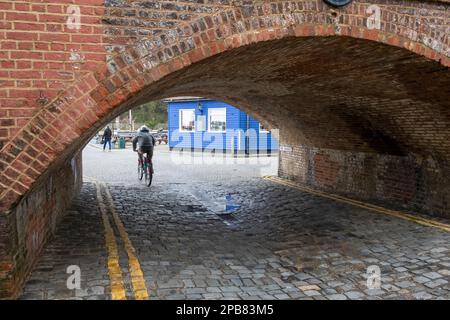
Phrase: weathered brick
{"type": "Point", "coordinates": [374, 94]}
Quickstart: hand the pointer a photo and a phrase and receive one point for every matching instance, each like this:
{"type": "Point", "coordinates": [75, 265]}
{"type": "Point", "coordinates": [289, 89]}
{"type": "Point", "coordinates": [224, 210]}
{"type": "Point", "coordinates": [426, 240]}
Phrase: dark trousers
{"type": "Point", "coordinates": [107, 141]}
{"type": "Point", "coordinates": [147, 150]}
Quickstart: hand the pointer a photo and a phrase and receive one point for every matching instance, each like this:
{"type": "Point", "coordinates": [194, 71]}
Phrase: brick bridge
{"type": "Point", "coordinates": [360, 94]}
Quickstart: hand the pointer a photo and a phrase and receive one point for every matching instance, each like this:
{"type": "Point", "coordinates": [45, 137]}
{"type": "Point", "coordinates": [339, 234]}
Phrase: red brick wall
{"type": "Point", "coordinates": [40, 55]}
{"type": "Point", "coordinates": [25, 229]}
{"type": "Point", "coordinates": [325, 169]}
{"type": "Point", "coordinates": [405, 182]}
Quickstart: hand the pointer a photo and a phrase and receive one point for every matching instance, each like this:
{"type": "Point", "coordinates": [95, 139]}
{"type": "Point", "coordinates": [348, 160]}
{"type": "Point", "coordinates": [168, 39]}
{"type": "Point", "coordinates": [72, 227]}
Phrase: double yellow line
{"type": "Point", "coordinates": [397, 214]}
{"type": "Point", "coordinates": [115, 272]}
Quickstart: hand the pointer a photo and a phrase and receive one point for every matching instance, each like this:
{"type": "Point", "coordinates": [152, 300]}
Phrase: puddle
{"type": "Point", "coordinates": [191, 208]}
{"type": "Point", "coordinates": [229, 219]}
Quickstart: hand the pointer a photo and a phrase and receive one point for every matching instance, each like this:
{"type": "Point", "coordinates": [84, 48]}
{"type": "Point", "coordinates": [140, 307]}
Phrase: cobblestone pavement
{"type": "Point", "coordinates": [280, 244]}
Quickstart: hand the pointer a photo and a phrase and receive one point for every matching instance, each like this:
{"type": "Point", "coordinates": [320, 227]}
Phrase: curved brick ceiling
{"type": "Point", "coordinates": [330, 92]}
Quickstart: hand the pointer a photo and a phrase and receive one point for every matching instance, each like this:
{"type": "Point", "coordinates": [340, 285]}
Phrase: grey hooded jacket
{"type": "Point", "coordinates": [143, 139]}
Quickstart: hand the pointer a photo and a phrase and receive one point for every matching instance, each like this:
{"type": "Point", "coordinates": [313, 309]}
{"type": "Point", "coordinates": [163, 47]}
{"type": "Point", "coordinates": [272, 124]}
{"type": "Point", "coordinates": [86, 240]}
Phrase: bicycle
{"type": "Point", "coordinates": [145, 168]}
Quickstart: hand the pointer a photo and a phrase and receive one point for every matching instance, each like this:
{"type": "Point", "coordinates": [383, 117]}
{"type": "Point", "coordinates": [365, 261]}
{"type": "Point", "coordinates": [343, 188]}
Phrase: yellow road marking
{"type": "Point", "coordinates": [398, 214]}
{"type": "Point", "coordinates": [114, 270]}
{"type": "Point", "coordinates": [137, 276]}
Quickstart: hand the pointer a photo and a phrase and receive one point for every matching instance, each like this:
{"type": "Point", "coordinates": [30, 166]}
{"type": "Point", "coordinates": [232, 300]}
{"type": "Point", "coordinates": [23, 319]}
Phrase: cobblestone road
{"type": "Point", "coordinates": [280, 244]}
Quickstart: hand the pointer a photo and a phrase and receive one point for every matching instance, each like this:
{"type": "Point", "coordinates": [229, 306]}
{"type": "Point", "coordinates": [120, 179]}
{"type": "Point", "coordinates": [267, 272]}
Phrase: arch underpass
{"type": "Point", "coordinates": [362, 105]}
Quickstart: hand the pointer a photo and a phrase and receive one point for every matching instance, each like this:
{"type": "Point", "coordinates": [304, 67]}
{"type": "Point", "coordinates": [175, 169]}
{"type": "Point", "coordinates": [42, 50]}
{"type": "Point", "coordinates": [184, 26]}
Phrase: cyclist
{"type": "Point", "coordinates": [144, 143]}
{"type": "Point", "coordinates": [107, 134]}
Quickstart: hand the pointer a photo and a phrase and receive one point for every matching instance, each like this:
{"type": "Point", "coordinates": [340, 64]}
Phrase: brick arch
{"type": "Point", "coordinates": [138, 63]}
{"type": "Point", "coordinates": [61, 124]}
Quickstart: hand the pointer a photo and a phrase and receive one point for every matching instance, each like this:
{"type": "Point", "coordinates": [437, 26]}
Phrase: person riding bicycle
{"type": "Point", "coordinates": [144, 143]}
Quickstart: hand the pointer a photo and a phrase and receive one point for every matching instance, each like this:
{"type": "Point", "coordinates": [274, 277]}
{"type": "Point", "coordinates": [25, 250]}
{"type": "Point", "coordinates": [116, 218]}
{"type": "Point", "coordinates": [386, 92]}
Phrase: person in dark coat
{"type": "Point", "coordinates": [107, 135]}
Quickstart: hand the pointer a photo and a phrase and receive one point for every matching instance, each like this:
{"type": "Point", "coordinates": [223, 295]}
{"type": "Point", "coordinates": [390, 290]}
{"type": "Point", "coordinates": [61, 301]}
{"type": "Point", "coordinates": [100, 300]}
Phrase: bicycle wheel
{"type": "Point", "coordinates": [140, 171]}
{"type": "Point", "coordinates": [149, 173]}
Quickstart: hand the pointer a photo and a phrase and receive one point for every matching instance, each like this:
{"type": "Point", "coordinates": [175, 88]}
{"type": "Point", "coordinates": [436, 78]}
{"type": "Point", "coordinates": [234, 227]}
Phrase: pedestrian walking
{"type": "Point", "coordinates": [107, 135]}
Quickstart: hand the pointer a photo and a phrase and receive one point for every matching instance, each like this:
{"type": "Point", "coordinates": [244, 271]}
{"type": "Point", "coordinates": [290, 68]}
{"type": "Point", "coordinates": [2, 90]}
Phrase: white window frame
{"type": "Point", "coordinates": [180, 112]}
{"type": "Point", "coordinates": [263, 130]}
{"type": "Point", "coordinates": [224, 110]}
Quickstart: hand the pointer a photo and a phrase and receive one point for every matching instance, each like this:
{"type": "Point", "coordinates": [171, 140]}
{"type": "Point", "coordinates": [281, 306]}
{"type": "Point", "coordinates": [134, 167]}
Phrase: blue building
{"type": "Point", "coordinates": [202, 124]}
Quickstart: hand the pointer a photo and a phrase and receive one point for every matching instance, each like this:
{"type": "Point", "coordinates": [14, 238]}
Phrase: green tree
{"type": "Point", "coordinates": [153, 114]}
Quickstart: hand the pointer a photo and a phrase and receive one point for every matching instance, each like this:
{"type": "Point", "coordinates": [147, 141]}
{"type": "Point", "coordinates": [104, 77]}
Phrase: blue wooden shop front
{"type": "Point", "coordinates": [203, 124]}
